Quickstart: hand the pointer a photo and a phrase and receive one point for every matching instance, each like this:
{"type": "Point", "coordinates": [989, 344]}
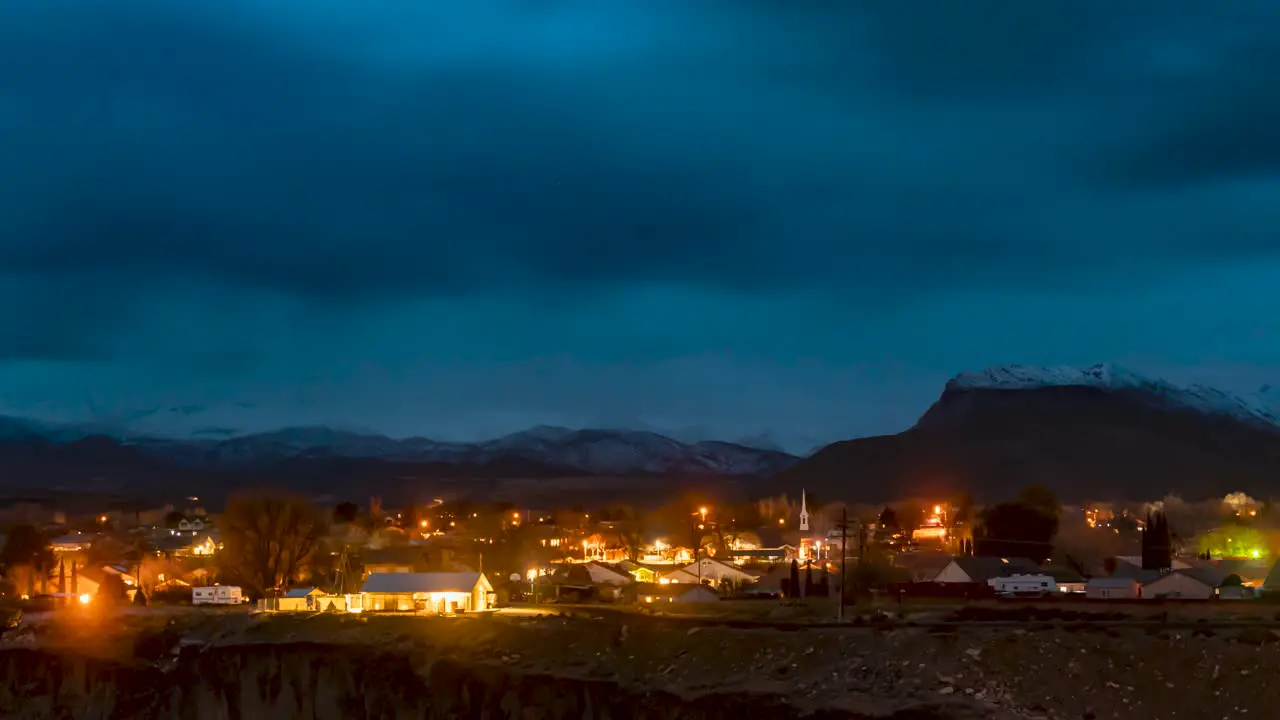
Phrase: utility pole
{"type": "Point", "coordinates": [844, 553]}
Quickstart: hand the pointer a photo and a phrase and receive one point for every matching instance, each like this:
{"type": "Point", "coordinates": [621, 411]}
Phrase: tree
{"type": "Point", "coordinates": [963, 504]}
{"type": "Point", "coordinates": [1041, 499]}
{"type": "Point", "coordinates": [345, 512]}
{"type": "Point", "coordinates": [172, 518]}
{"type": "Point", "coordinates": [631, 531]}
{"type": "Point", "coordinates": [1157, 544]}
{"type": "Point", "coordinates": [269, 539]}
{"type": "Point", "coordinates": [888, 519]}
{"type": "Point", "coordinates": [26, 546]}
{"type": "Point", "coordinates": [26, 552]}
{"type": "Point", "coordinates": [1016, 529]}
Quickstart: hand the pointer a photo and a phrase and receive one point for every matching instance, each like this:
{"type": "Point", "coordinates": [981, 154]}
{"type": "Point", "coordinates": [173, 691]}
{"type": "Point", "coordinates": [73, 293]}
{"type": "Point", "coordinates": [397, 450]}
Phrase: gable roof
{"type": "Point", "coordinates": [1111, 582]}
{"type": "Point", "coordinates": [303, 592]}
{"type": "Point", "coordinates": [421, 582]}
{"type": "Point", "coordinates": [981, 569]}
{"type": "Point", "coordinates": [1272, 583]}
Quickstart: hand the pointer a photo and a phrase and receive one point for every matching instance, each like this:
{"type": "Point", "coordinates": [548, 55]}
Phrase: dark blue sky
{"type": "Point", "coordinates": [462, 218]}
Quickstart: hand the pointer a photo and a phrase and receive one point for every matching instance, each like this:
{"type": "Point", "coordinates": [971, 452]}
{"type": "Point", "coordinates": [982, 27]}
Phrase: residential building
{"type": "Point", "coordinates": [436, 592]}
{"type": "Point", "coordinates": [651, 594]}
{"type": "Point", "coordinates": [984, 569]}
{"type": "Point", "coordinates": [298, 599]}
{"type": "Point", "coordinates": [1190, 583]}
{"type": "Point", "coordinates": [710, 571]}
{"type": "Point", "coordinates": [1112, 588]}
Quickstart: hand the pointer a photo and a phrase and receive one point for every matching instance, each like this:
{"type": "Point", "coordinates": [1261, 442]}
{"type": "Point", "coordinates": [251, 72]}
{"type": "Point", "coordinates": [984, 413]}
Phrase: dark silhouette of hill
{"type": "Point", "coordinates": [1081, 442]}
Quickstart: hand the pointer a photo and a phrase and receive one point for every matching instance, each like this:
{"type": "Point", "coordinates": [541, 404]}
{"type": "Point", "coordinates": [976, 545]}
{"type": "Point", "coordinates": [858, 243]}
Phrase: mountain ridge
{"type": "Point", "coordinates": [1092, 433]}
{"type": "Point", "coordinates": [590, 451]}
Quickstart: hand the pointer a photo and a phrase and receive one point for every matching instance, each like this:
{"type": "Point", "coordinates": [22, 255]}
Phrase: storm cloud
{"type": "Point", "coordinates": [263, 195]}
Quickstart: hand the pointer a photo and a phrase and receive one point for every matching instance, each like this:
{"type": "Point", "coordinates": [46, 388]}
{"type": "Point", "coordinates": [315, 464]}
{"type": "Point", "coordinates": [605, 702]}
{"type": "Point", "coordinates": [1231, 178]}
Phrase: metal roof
{"type": "Point", "coordinates": [421, 582]}
{"type": "Point", "coordinates": [302, 592]}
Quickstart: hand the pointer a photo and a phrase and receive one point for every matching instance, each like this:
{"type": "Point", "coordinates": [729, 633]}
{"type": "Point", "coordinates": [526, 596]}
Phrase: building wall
{"type": "Point", "coordinates": [1177, 585]}
{"type": "Point", "coordinates": [1128, 592]}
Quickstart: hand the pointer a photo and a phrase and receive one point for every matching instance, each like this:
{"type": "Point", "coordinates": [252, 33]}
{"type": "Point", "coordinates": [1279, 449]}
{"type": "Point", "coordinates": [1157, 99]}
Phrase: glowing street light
{"type": "Point", "coordinates": [422, 523]}
{"type": "Point", "coordinates": [703, 512]}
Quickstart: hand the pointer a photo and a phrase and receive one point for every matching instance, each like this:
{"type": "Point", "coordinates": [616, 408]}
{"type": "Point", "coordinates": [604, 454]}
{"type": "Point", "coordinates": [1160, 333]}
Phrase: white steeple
{"type": "Point", "coordinates": [804, 513]}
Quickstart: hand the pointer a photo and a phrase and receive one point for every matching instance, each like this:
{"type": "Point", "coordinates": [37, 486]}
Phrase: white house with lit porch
{"type": "Point", "coordinates": [432, 592]}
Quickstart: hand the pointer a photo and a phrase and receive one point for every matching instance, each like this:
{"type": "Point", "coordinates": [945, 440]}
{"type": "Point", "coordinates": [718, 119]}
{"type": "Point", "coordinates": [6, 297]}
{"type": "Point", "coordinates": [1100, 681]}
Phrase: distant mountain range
{"type": "Point", "coordinates": [1093, 433]}
{"type": "Point", "coordinates": [540, 451]}
{"type": "Point", "coordinates": [1099, 432]}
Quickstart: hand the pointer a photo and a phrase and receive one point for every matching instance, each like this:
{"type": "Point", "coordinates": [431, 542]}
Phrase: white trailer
{"type": "Point", "coordinates": [216, 595]}
{"type": "Point", "coordinates": [1024, 585]}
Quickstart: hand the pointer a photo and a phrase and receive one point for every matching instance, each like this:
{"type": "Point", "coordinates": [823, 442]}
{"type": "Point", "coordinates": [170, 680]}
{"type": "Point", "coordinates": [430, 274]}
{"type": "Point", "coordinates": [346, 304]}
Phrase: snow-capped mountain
{"type": "Point", "coordinates": [603, 452]}
{"type": "Point", "coordinates": [1261, 409]}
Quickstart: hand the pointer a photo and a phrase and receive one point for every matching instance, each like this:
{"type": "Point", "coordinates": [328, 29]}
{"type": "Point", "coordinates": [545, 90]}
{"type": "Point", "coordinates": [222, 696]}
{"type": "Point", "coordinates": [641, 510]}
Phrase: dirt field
{"type": "Point", "coordinates": [1207, 662]}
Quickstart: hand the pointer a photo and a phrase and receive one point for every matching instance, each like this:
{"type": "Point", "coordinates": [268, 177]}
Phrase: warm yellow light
{"type": "Point", "coordinates": [664, 581]}
{"type": "Point", "coordinates": [782, 521]}
{"type": "Point", "coordinates": [102, 518]}
{"type": "Point", "coordinates": [84, 598]}
{"type": "Point", "coordinates": [515, 516]}
{"type": "Point", "coordinates": [532, 574]}
{"type": "Point", "coordinates": [937, 509]}
{"type": "Point", "coordinates": [422, 523]}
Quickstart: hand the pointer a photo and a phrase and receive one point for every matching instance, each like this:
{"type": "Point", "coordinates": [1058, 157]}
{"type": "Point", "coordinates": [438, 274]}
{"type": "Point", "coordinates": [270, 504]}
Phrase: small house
{"type": "Point", "coordinates": [1112, 588]}
{"type": "Point", "coordinates": [299, 599]}
{"type": "Point", "coordinates": [1189, 584]}
{"type": "Point", "coordinates": [436, 592]}
{"type": "Point", "coordinates": [983, 569]}
{"type": "Point", "coordinates": [647, 594]}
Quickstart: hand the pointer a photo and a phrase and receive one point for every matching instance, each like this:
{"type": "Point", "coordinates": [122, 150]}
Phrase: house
{"type": "Point", "coordinates": [648, 594]}
{"type": "Point", "coordinates": [193, 526]}
{"type": "Point", "coordinates": [709, 571]}
{"type": "Point", "coordinates": [641, 573]}
{"type": "Point", "coordinates": [782, 553]}
{"type": "Point", "coordinates": [71, 542]}
{"type": "Point", "coordinates": [983, 569]}
{"type": "Point", "coordinates": [922, 566]}
{"type": "Point", "coordinates": [1067, 579]}
{"type": "Point", "coordinates": [587, 580]}
{"type": "Point", "coordinates": [679, 576]}
{"type": "Point", "coordinates": [438, 592]}
{"type": "Point", "coordinates": [299, 599]}
{"type": "Point", "coordinates": [1112, 588]}
{"type": "Point", "coordinates": [1271, 585]}
{"type": "Point", "coordinates": [1190, 583]}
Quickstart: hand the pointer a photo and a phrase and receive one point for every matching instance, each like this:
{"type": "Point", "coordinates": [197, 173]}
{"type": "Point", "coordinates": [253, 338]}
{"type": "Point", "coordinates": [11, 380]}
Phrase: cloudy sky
{"type": "Point", "coordinates": [726, 217]}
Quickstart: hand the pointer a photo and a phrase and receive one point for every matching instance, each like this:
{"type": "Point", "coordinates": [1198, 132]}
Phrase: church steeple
{"type": "Point", "coordinates": [804, 513]}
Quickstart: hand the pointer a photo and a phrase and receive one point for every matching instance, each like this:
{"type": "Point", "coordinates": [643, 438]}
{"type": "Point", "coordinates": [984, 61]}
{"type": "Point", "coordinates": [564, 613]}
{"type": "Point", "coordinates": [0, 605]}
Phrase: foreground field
{"type": "Point", "coordinates": [954, 666]}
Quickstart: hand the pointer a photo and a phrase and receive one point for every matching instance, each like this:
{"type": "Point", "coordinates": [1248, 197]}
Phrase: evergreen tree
{"type": "Point", "coordinates": [1157, 544]}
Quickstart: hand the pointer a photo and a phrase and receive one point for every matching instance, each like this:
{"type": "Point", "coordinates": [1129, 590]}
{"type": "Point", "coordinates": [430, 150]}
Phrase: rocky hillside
{"type": "Point", "coordinates": [1086, 436]}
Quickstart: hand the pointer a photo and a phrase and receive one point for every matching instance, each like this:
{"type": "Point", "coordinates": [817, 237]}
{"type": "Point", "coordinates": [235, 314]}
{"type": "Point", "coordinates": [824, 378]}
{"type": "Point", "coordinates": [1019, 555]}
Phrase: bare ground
{"type": "Point", "coordinates": [1146, 663]}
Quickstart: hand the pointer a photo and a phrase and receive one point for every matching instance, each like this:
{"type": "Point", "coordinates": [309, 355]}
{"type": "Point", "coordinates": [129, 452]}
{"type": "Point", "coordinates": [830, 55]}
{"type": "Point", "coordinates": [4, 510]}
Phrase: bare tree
{"type": "Point", "coordinates": [269, 539]}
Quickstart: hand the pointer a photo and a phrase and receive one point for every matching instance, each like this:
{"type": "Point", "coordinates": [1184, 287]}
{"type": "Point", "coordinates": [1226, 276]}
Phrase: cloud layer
{"type": "Point", "coordinates": [281, 194]}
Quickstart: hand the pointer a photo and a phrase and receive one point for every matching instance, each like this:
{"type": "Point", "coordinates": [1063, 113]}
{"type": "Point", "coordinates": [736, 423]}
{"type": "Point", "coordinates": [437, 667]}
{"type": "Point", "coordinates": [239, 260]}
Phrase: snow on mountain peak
{"type": "Point", "coordinates": [1027, 377]}
{"type": "Point", "coordinates": [1259, 409]}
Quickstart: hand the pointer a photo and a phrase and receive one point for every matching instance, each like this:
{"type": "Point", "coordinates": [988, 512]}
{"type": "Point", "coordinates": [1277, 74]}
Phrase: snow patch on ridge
{"type": "Point", "coordinates": [1261, 408]}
